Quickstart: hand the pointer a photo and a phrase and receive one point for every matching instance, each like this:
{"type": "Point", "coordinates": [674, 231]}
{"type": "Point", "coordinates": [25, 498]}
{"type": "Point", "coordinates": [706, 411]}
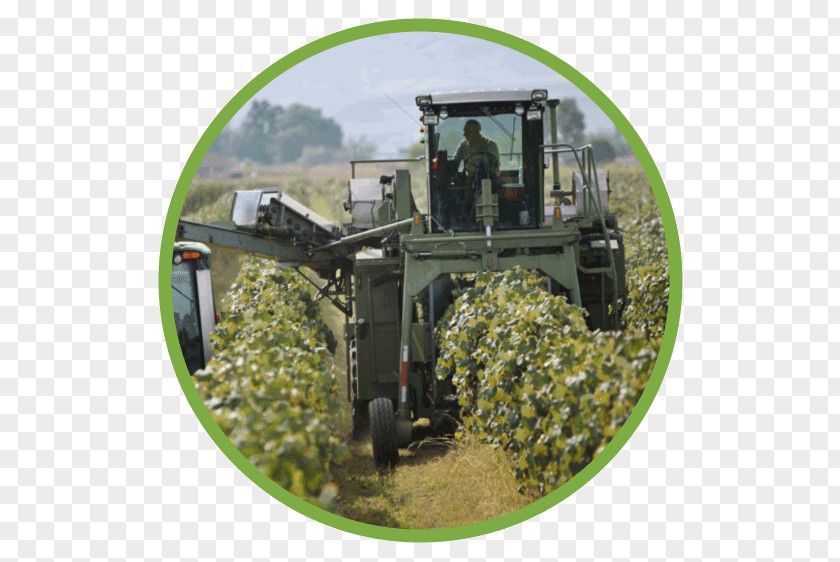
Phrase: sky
{"type": "Point", "coordinates": [351, 83]}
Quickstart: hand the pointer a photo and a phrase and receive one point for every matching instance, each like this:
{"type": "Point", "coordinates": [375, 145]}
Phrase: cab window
{"type": "Point", "coordinates": [185, 305]}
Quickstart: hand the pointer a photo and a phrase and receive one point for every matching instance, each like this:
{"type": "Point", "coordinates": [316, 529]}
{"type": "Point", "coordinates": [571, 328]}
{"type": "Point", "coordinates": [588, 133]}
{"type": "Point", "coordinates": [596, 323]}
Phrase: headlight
{"type": "Point", "coordinates": [423, 101]}
{"type": "Point", "coordinates": [539, 95]}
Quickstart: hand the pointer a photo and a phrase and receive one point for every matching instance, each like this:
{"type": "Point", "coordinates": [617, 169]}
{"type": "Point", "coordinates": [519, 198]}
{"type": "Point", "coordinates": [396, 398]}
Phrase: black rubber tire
{"type": "Point", "coordinates": [383, 432]}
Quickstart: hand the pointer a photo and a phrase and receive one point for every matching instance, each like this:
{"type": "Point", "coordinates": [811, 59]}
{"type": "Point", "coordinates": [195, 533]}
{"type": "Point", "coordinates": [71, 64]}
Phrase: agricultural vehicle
{"type": "Point", "coordinates": [192, 301]}
{"type": "Point", "coordinates": [389, 269]}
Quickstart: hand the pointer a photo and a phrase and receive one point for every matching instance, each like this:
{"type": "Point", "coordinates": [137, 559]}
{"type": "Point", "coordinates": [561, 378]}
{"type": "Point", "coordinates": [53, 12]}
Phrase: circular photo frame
{"type": "Point", "coordinates": [511, 204]}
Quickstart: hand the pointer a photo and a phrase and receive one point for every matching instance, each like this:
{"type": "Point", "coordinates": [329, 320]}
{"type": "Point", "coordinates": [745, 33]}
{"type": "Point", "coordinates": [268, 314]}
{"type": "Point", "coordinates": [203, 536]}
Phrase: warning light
{"type": "Point", "coordinates": [422, 129]}
{"type": "Point", "coordinates": [190, 255]}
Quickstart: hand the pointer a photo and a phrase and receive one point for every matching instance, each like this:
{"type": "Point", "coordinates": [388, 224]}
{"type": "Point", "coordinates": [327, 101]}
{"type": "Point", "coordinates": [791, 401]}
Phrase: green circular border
{"type": "Point", "coordinates": [479, 32]}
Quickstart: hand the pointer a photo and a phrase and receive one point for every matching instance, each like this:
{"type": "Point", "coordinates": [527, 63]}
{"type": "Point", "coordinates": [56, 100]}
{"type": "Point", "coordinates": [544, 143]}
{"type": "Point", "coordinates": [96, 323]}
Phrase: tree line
{"type": "Point", "coordinates": [571, 127]}
{"type": "Point", "coordinates": [273, 134]}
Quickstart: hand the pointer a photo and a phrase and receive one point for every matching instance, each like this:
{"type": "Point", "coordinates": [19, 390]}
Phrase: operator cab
{"type": "Point", "coordinates": [506, 149]}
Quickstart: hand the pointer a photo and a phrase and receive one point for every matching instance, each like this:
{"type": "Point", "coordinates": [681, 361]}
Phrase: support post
{"type": "Point", "coordinates": [555, 157]}
{"type": "Point", "coordinates": [403, 405]}
{"type": "Point", "coordinates": [416, 277]}
{"type": "Point", "coordinates": [563, 269]}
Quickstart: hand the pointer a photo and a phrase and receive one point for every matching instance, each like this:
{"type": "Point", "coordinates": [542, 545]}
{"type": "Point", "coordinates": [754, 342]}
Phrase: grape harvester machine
{"type": "Point", "coordinates": [389, 269]}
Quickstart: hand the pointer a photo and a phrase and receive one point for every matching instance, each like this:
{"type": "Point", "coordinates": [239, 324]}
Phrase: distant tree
{"type": "Point", "coordinates": [258, 131]}
{"type": "Point", "coordinates": [360, 148]}
{"type": "Point", "coordinates": [225, 143]}
{"type": "Point", "coordinates": [301, 126]}
{"type": "Point", "coordinates": [271, 134]}
{"type": "Point", "coordinates": [570, 122]}
{"type": "Point", "coordinates": [603, 149]}
{"type": "Point", "coordinates": [286, 146]}
{"type": "Point", "coordinates": [620, 144]}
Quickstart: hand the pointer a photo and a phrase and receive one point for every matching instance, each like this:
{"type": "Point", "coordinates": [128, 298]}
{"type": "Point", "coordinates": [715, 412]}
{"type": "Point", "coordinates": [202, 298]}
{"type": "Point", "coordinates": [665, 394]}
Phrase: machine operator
{"type": "Point", "coordinates": [477, 152]}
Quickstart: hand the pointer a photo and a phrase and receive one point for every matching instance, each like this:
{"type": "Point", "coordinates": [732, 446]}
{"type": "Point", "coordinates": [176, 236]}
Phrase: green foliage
{"type": "Point", "coordinates": [648, 281]}
{"type": "Point", "coordinates": [603, 150]}
{"type": "Point", "coordinates": [534, 380]}
{"type": "Point", "coordinates": [484, 340]}
{"type": "Point", "coordinates": [646, 252]}
{"type": "Point", "coordinates": [271, 385]}
{"type": "Point", "coordinates": [631, 197]}
{"type": "Point", "coordinates": [570, 121]}
{"type": "Point", "coordinates": [258, 131]}
{"type": "Point", "coordinates": [272, 134]}
{"type": "Point", "coordinates": [224, 144]}
{"type": "Point", "coordinates": [301, 126]}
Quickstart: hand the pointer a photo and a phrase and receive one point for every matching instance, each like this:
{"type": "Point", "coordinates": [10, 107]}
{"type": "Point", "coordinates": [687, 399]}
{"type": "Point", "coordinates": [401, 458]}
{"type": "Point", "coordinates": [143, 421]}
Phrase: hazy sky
{"type": "Point", "coordinates": [350, 82]}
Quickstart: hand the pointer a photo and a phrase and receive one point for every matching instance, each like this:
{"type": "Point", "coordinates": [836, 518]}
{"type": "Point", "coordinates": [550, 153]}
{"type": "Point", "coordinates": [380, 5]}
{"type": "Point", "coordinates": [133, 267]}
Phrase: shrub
{"type": "Point", "coordinates": [534, 380]}
{"type": "Point", "coordinates": [648, 281]}
{"type": "Point", "coordinates": [271, 385]}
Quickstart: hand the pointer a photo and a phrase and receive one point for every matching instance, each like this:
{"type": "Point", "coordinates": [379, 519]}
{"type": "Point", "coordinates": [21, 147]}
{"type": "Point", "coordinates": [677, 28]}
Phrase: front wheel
{"type": "Point", "coordinates": [383, 432]}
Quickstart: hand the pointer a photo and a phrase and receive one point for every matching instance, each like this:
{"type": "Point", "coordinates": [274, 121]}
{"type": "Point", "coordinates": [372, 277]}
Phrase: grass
{"type": "Point", "coordinates": [438, 483]}
{"type": "Point", "coordinates": [455, 483]}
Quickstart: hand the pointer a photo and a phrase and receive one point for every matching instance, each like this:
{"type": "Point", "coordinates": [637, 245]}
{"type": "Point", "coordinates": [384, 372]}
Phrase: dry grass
{"type": "Point", "coordinates": [438, 483]}
{"type": "Point", "coordinates": [365, 493]}
{"type": "Point", "coordinates": [470, 483]}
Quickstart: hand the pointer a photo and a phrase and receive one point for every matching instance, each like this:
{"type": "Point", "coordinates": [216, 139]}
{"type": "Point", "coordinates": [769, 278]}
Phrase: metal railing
{"type": "Point", "coordinates": [586, 165]}
{"type": "Point", "coordinates": [585, 158]}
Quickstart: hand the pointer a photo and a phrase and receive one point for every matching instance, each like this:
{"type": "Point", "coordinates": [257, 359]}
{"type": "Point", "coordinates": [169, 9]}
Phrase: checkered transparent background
{"type": "Point", "coordinates": [100, 455]}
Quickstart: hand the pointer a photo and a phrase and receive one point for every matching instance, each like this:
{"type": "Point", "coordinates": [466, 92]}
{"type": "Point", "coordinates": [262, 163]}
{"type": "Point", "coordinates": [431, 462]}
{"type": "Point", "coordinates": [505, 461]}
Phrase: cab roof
{"type": "Point", "coordinates": [481, 96]}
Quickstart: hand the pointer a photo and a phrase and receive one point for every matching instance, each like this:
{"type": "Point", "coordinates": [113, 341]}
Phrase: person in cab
{"type": "Point", "coordinates": [480, 155]}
